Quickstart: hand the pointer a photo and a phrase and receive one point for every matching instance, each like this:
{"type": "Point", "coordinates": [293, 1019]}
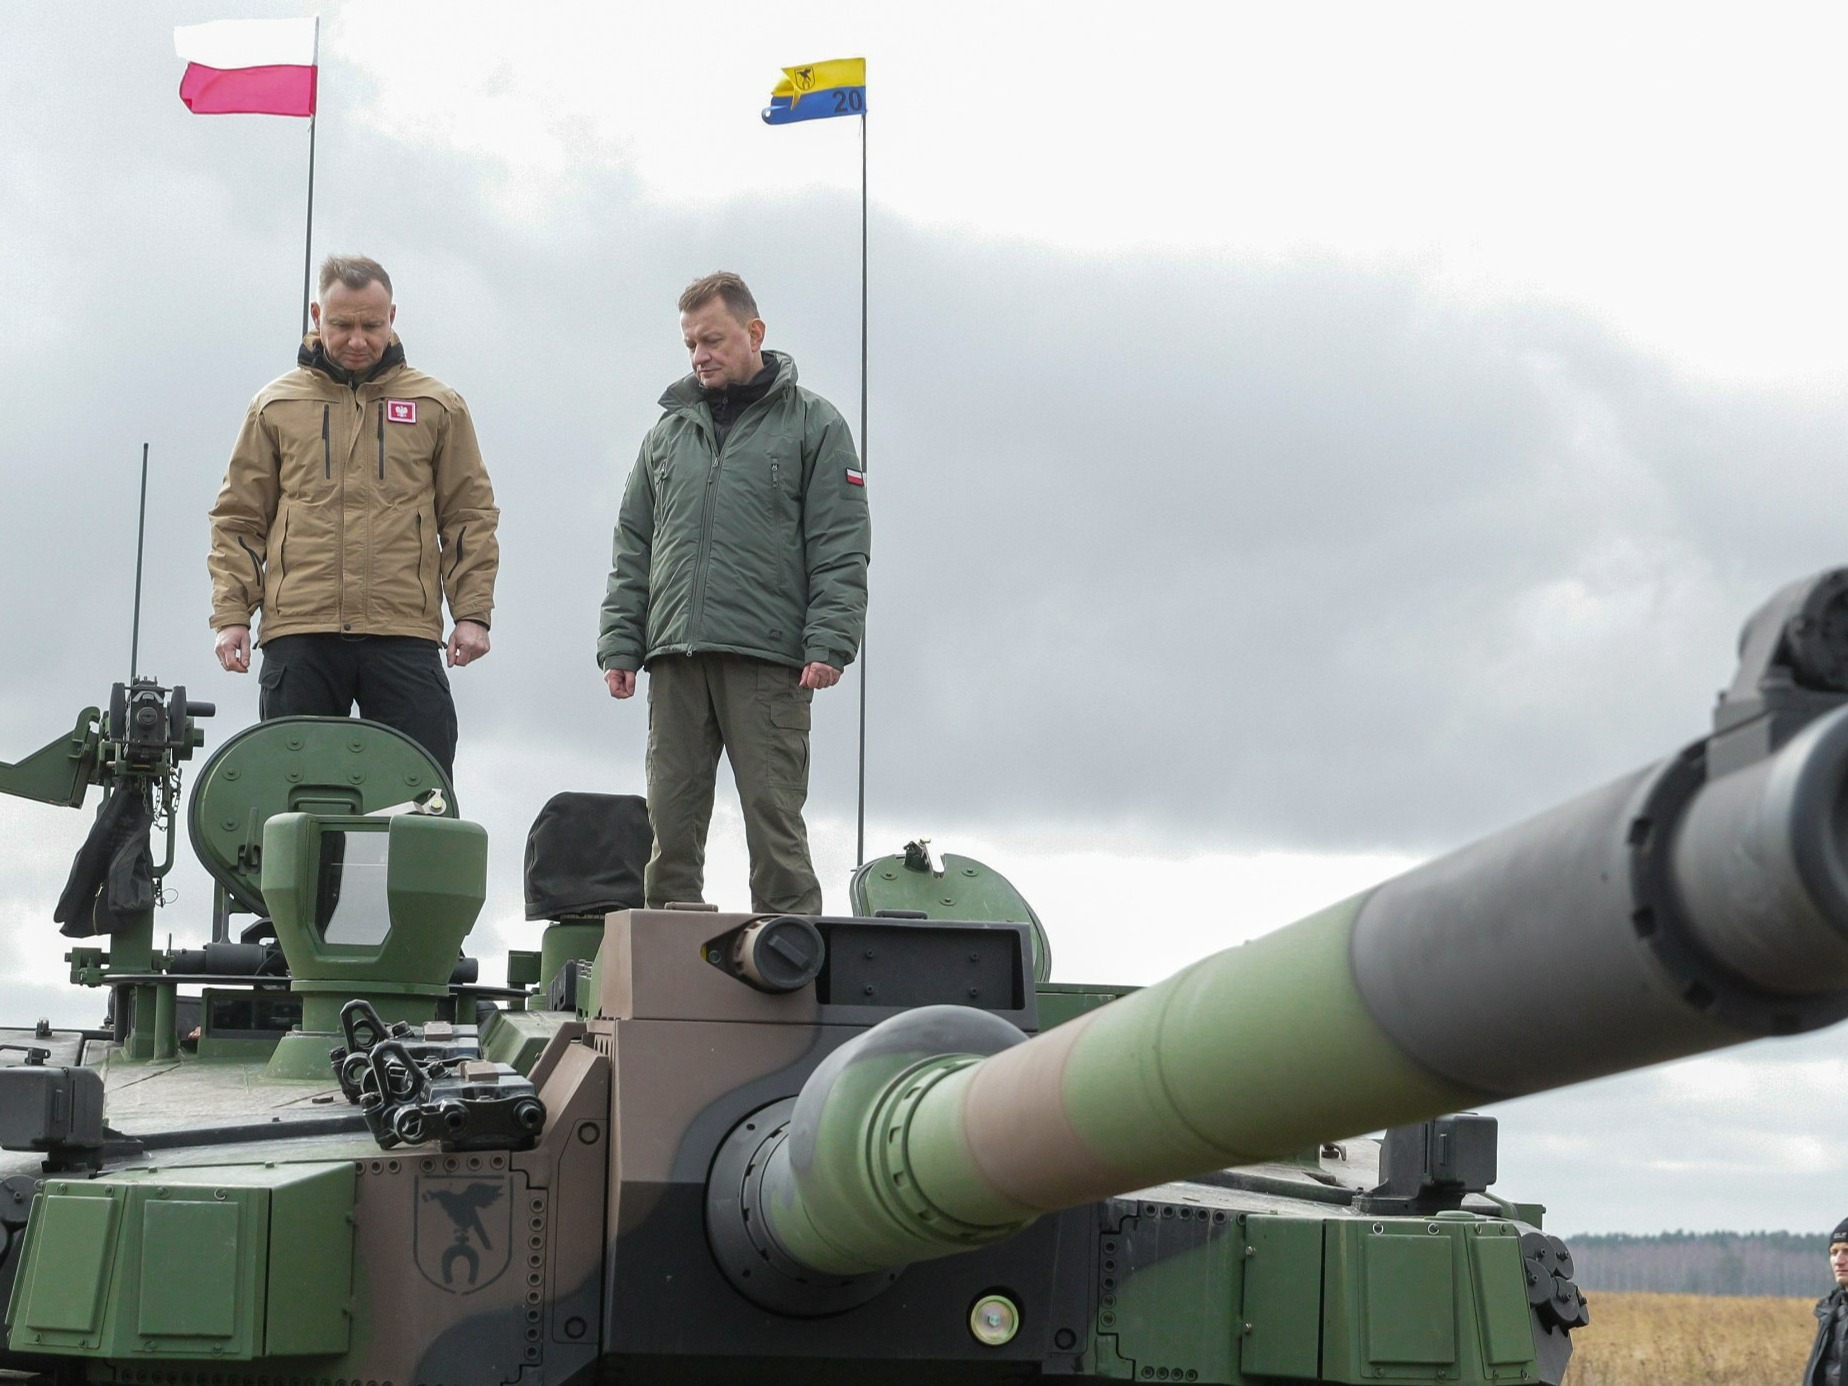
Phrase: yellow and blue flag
{"type": "Point", "coordinates": [817, 91]}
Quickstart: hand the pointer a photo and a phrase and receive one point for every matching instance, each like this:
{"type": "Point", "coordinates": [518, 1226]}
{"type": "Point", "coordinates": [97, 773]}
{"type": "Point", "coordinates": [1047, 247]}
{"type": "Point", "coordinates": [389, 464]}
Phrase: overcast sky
{"type": "Point", "coordinates": [1302, 439]}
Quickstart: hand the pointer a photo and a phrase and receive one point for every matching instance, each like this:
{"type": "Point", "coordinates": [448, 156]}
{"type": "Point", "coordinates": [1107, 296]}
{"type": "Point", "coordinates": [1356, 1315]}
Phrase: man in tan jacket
{"type": "Point", "coordinates": [356, 502]}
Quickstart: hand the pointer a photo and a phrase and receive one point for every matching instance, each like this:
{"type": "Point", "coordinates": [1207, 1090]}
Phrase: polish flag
{"type": "Point", "coordinates": [248, 66]}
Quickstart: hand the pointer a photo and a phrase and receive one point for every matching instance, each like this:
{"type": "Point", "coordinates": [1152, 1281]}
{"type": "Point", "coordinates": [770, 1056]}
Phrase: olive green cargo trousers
{"type": "Point", "coordinates": [758, 714]}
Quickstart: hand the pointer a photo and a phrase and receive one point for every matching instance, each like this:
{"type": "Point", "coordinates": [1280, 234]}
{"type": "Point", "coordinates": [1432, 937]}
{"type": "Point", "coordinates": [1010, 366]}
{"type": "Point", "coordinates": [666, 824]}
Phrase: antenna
{"type": "Point", "coordinates": [141, 534]}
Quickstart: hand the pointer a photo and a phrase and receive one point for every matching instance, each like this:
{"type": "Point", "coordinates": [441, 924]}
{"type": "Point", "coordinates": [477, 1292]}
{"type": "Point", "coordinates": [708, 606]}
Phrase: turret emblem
{"type": "Point", "coordinates": [464, 1231]}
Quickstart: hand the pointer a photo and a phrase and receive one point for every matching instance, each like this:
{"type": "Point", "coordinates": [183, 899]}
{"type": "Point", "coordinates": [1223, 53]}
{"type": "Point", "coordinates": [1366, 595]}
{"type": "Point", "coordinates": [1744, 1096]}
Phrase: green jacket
{"type": "Point", "coordinates": [757, 548]}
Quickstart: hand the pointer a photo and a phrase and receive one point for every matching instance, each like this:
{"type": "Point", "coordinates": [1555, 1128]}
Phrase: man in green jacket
{"type": "Point", "coordinates": [739, 582]}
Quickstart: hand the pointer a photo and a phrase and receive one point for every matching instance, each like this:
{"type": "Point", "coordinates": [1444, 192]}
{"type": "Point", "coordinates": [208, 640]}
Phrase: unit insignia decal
{"type": "Point", "coordinates": [464, 1231]}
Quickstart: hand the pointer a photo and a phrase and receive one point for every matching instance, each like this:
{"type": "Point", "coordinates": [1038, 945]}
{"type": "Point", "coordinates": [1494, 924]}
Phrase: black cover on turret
{"type": "Point", "coordinates": [585, 855]}
{"type": "Point", "coordinates": [112, 878]}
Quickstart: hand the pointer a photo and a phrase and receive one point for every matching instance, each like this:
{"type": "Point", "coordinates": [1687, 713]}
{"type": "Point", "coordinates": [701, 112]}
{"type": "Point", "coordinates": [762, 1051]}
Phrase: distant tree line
{"type": "Point", "coordinates": [1704, 1263]}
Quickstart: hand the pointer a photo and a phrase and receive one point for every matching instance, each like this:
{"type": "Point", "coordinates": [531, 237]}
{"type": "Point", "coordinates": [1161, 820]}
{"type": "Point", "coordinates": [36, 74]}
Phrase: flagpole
{"type": "Point", "coordinates": [860, 837]}
{"type": "Point", "coordinates": [308, 231]}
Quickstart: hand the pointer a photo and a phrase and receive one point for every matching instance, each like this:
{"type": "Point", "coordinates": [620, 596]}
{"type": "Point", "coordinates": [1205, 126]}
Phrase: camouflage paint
{"type": "Point", "coordinates": [410, 1266]}
{"type": "Point", "coordinates": [1169, 1280]}
{"type": "Point", "coordinates": [1256, 1052]}
{"type": "Point", "coordinates": [935, 1130]}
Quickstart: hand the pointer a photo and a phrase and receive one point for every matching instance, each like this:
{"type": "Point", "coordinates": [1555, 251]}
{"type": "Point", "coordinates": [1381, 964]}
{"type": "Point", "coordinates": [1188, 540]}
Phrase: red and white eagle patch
{"type": "Point", "coordinates": [401, 410]}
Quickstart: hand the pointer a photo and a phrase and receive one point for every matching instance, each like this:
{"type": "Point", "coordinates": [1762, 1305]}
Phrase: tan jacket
{"type": "Point", "coordinates": [354, 507]}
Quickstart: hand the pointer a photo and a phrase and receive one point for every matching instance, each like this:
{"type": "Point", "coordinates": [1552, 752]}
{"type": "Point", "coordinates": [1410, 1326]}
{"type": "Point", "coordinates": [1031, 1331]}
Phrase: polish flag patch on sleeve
{"type": "Point", "coordinates": [855, 478]}
{"type": "Point", "coordinates": [401, 410]}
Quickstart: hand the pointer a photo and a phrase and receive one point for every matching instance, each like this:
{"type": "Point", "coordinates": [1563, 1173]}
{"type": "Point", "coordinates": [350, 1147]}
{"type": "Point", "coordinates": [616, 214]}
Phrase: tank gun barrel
{"type": "Point", "coordinates": [1697, 903]}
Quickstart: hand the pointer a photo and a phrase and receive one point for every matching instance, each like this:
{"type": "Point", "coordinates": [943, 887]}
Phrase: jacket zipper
{"type": "Point", "coordinates": [423, 589]}
{"type": "Point", "coordinates": [382, 443]}
{"type": "Point", "coordinates": [707, 519]}
{"type": "Point", "coordinates": [705, 540]}
{"type": "Point", "coordinates": [327, 447]}
{"type": "Point", "coordinates": [340, 517]}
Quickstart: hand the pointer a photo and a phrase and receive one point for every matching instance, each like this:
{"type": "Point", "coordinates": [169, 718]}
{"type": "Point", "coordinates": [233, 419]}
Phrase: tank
{"type": "Point", "coordinates": [687, 1146]}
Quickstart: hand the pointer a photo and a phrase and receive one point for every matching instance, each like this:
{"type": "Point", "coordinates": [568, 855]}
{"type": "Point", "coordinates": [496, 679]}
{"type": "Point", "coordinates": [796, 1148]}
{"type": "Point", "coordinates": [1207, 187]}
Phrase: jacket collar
{"type": "Point", "coordinates": [312, 356]}
{"type": "Point", "coordinates": [685, 396]}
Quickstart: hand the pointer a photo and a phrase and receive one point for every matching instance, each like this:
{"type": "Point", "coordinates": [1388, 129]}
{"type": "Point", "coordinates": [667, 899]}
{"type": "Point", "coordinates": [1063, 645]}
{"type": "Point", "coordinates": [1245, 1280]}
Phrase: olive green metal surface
{"type": "Point", "coordinates": [1280, 1314]}
{"type": "Point", "coordinates": [59, 773]}
{"type": "Point", "coordinates": [1150, 1090]}
{"type": "Point", "coordinates": [573, 941]}
{"type": "Point", "coordinates": [517, 1038]}
{"type": "Point", "coordinates": [1063, 1001]}
{"type": "Point", "coordinates": [226, 1263]}
{"type": "Point", "coordinates": [436, 879]}
{"type": "Point", "coordinates": [1254, 1053]}
{"type": "Point", "coordinates": [327, 765]}
{"type": "Point", "coordinates": [1173, 1317]}
{"type": "Point", "coordinates": [435, 882]}
{"type": "Point", "coordinates": [964, 889]}
{"type": "Point", "coordinates": [835, 1182]}
{"type": "Point", "coordinates": [1416, 1299]}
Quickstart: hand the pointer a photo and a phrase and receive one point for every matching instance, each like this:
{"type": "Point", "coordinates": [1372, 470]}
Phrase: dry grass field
{"type": "Point", "coordinates": [1691, 1340]}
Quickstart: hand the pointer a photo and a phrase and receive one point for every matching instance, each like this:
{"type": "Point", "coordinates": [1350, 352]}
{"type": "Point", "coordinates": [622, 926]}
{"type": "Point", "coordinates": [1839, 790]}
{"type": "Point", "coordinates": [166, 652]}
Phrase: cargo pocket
{"type": "Point", "coordinates": [269, 690]}
{"type": "Point", "coordinates": [787, 709]}
{"type": "Point", "coordinates": [398, 599]}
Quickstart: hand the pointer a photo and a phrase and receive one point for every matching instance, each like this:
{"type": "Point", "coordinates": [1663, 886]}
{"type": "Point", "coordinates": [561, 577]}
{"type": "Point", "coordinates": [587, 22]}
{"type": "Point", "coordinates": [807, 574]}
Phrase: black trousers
{"type": "Point", "coordinates": [396, 679]}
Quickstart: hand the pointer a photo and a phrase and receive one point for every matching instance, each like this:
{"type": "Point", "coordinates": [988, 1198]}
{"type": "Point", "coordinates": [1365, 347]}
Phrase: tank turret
{"type": "Point", "coordinates": [881, 1147]}
{"type": "Point", "coordinates": [1700, 902]}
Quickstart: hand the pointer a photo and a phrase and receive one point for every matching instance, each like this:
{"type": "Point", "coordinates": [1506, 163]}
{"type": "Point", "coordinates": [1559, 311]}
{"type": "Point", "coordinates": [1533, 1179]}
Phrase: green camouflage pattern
{"type": "Point", "coordinates": [896, 1156]}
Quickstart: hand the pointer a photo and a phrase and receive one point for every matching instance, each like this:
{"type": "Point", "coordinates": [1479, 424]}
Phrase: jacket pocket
{"type": "Point", "coordinates": [785, 492]}
{"type": "Point", "coordinates": [406, 473]}
{"type": "Point", "coordinates": [400, 569]}
{"type": "Point", "coordinates": [301, 578]}
{"type": "Point", "coordinates": [302, 430]}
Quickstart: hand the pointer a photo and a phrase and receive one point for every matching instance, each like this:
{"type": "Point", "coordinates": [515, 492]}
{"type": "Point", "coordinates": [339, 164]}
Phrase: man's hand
{"type": "Point", "coordinates": [621, 682]}
{"type": "Point", "coordinates": [233, 649]}
{"type": "Point", "coordinates": [467, 642]}
{"type": "Point", "coordinates": [819, 675]}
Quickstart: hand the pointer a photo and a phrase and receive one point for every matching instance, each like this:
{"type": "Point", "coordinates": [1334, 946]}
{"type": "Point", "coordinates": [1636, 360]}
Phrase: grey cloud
{"type": "Point", "coordinates": [1298, 555]}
